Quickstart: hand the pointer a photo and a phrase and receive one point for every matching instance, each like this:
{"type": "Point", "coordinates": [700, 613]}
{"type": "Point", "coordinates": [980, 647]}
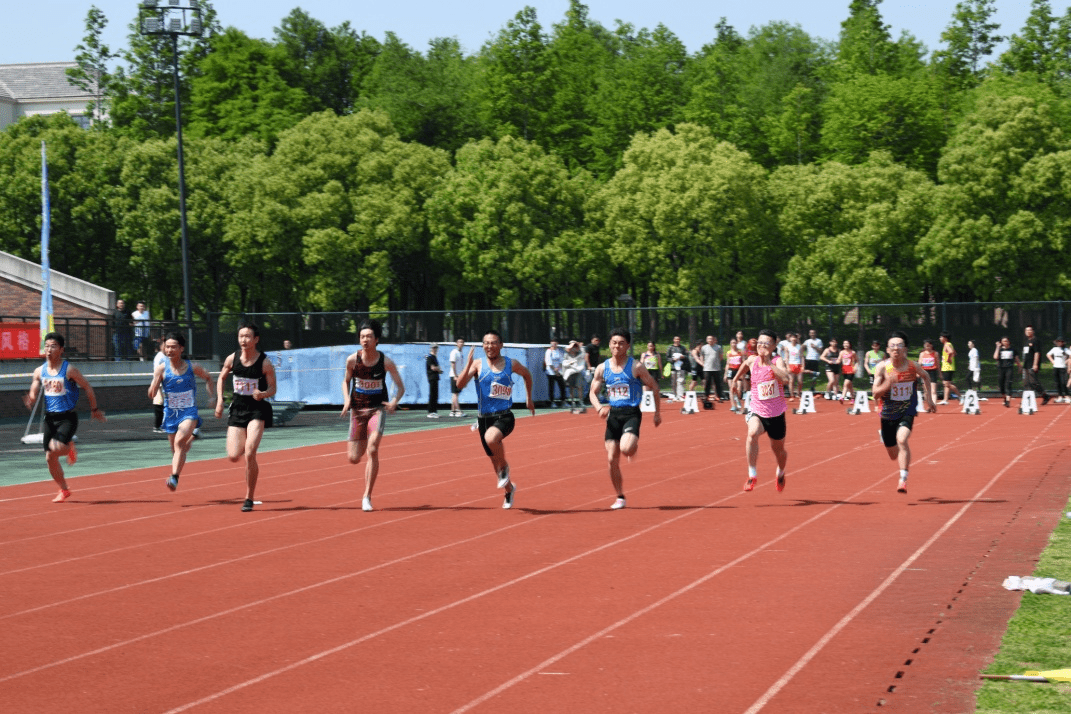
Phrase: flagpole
{"type": "Point", "coordinates": [47, 323]}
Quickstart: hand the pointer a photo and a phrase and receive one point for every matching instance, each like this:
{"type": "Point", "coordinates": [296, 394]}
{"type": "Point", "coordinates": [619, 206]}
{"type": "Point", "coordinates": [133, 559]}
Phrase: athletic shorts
{"type": "Point", "coordinates": [240, 416]}
{"type": "Point", "coordinates": [833, 368]}
{"type": "Point", "coordinates": [729, 374]}
{"type": "Point", "coordinates": [932, 374]}
{"type": "Point", "coordinates": [812, 365]}
{"type": "Point", "coordinates": [889, 427]}
{"type": "Point", "coordinates": [949, 375]}
{"type": "Point", "coordinates": [503, 421]}
{"type": "Point", "coordinates": [364, 420]}
{"type": "Point", "coordinates": [174, 417]}
{"type": "Point", "coordinates": [621, 421]}
{"type": "Point", "coordinates": [795, 368]}
{"type": "Point", "coordinates": [775, 427]}
{"type": "Point", "coordinates": [697, 371]}
{"type": "Point", "coordinates": [60, 426]}
{"type": "Point", "coordinates": [453, 386]}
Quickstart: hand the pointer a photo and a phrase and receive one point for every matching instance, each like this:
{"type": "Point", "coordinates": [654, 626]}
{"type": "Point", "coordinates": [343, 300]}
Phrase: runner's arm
{"type": "Point", "coordinates": [399, 387]}
{"type": "Point", "coordinates": [269, 375]}
{"type": "Point", "coordinates": [224, 372]}
{"type": "Point", "coordinates": [520, 369]}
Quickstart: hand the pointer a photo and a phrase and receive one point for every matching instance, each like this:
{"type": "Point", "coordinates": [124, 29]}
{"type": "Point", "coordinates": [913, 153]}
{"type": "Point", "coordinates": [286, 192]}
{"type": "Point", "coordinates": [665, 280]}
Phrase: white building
{"type": "Point", "coordinates": [40, 88]}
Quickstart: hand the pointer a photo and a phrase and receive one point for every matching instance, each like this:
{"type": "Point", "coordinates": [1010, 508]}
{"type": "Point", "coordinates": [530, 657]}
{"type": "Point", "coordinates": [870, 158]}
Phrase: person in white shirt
{"type": "Point", "coordinates": [141, 318]}
{"type": "Point", "coordinates": [812, 363]}
{"type": "Point", "coordinates": [1058, 357]}
{"type": "Point", "coordinates": [455, 372]}
{"type": "Point", "coordinates": [974, 365]}
{"type": "Point", "coordinates": [552, 367]}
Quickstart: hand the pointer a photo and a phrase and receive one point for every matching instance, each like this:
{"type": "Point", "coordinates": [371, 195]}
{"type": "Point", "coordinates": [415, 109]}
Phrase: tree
{"type": "Point", "coordinates": [712, 87]}
{"type": "Point", "coordinates": [1002, 229]}
{"type": "Point", "coordinates": [516, 88]}
{"type": "Point", "coordinates": [508, 223]}
{"type": "Point", "coordinates": [685, 221]}
{"type": "Point", "coordinates": [430, 99]}
{"type": "Point", "coordinates": [865, 45]}
{"type": "Point", "coordinates": [642, 92]}
{"type": "Point", "coordinates": [969, 39]}
{"type": "Point", "coordinates": [239, 91]}
{"type": "Point", "coordinates": [330, 65]}
{"type": "Point", "coordinates": [851, 230]}
{"type": "Point", "coordinates": [1031, 49]}
{"type": "Point", "coordinates": [879, 112]}
{"type": "Point", "coordinates": [92, 74]}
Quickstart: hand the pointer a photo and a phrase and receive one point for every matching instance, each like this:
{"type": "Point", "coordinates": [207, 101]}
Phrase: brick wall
{"type": "Point", "coordinates": [20, 301]}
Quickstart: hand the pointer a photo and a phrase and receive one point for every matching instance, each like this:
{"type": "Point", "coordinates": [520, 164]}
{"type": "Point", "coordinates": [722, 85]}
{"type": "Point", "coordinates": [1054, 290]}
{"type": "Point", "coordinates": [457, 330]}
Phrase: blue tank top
{"type": "Point", "coordinates": [61, 394]}
{"type": "Point", "coordinates": [494, 390]}
{"type": "Point", "coordinates": [180, 390]}
{"type": "Point", "coordinates": [623, 389]}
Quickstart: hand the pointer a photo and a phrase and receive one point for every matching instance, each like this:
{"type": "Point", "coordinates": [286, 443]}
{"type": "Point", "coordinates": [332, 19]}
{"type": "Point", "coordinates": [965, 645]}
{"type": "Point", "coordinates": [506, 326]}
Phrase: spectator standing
{"type": "Point", "coordinates": [812, 362]}
{"type": "Point", "coordinates": [455, 372]}
{"type": "Point", "coordinates": [1032, 364]}
{"type": "Point", "coordinates": [711, 353]}
{"type": "Point", "coordinates": [677, 359]}
{"type": "Point", "coordinates": [120, 330]}
{"type": "Point", "coordinates": [1058, 358]}
{"type": "Point", "coordinates": [974, 365]}
{"type": "Point", "coordinates": [1007, 361]}
{"type": "Point", "coordinates": [573, 364]}
{"type": "Point", "coordinates": [552, 367]}
{"type": "Point", "coordinates": [433, 370]}
{"type": "Point", "coordinates": [142, 319]}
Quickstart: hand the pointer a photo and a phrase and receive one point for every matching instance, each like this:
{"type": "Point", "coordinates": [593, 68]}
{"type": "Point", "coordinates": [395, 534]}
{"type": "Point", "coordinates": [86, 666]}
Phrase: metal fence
{"type": "Point", "coordinates": [985, 323]}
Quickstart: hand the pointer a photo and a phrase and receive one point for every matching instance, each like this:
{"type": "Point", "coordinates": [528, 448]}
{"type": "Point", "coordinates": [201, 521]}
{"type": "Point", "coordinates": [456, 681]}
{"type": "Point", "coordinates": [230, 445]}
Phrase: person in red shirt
{"type": "Point", "coordinates": [928, 362]}
{"type": "Point", "coordinates": [848, 358]}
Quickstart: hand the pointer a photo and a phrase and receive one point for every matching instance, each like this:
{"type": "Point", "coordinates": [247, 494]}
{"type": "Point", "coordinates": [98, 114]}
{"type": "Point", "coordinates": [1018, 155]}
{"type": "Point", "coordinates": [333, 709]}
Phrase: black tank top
{"type": "Point", "coordinates": [246, 380]}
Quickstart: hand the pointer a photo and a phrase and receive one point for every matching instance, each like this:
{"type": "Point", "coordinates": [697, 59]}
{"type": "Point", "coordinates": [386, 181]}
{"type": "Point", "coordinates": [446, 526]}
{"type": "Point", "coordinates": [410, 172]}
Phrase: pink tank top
{"type": "Point", "coordinates": [767, 392]}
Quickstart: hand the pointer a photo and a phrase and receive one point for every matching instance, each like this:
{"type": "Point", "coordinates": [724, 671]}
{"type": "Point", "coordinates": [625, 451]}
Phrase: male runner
{"type": "Point", "coordinates": [60, 382]}
{"type": "Point", "coordinates": [176, 376]}
{"type": "Point", "coordinates": [769, 374]}
{"type": "Point", "coordinates": [254, 382]}
{"type": "Point", "coordinates": [494, 394]}
{"type": "Point", "coordinates": [948, 366]}
{"type": "Point", "coordinates": [364, 391]}
{"type": "Point", "coordinates": [623, 377]}
{"type": "Point", "coordinates": [895, 385]}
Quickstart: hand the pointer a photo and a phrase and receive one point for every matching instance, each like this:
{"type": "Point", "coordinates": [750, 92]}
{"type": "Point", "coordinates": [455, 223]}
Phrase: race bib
{"type": "Point", "coordinates": [901, 391]}
{"type": "Point", "coordinates": [765, 390]}
{"type": "Point", "coordinates": [367, 385]}
{"type": "Point", "coordinates": [245, 386]}
{"type": "Point", "coordinates": [618, 391]}
{"type": "Point", "coordinates": [54, 387]}
{"type": "Point", "coordinates": [501, 391]}
{"type": "Point", "coordinates": [180, 400]}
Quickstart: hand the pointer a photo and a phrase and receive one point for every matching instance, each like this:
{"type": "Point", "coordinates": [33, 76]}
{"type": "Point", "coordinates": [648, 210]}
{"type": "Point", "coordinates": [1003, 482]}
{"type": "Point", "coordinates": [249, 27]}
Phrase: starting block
{"type": "Point", "coordinates": [862, 404]}
{"type": "Point", "coordinates": [970, 402]}
{"type": "Point", "coordinates": [1029, 402]}
{"type": "Point", "coordinates": [691, 404]}
{"type": "Point", "coordinates": [806, 404]}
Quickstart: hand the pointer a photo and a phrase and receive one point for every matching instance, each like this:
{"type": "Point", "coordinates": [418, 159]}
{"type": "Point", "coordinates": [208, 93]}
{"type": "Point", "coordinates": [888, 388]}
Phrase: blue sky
{"type": "Point", "coordinates": [48, 30]}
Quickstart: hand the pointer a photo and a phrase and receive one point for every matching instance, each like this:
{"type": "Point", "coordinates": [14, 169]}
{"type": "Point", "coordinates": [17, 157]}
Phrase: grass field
{"type": "Point", "coordinates": [1038, 637]}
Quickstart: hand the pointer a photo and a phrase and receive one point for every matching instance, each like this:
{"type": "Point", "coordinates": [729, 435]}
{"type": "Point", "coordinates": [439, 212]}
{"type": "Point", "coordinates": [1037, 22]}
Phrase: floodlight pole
{"type": "Point", "coordinates": [172, 20]}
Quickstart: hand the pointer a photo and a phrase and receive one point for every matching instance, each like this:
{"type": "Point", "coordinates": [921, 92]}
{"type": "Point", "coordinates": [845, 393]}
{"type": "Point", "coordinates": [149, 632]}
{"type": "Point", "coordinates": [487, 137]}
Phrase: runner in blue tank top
{"type": "Point", "coordinates": [494, 392]}
{"type": "Point", "coordinates": [624, 379]}
{"type": "Point", "coordinates": [176, 376]}
{"type": "Point", "coordinates": [60, 383]}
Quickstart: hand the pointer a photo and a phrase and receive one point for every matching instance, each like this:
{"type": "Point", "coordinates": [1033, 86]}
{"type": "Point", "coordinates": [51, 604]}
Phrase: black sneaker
{"type": "Point", "coordinates": [247, 505]}
{"type": "Point", "coordinates": [172, 483]}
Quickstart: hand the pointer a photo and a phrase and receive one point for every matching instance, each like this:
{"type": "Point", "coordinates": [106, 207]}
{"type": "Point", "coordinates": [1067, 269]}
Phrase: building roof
{"type": "Point", "coordinates": [41, 80]}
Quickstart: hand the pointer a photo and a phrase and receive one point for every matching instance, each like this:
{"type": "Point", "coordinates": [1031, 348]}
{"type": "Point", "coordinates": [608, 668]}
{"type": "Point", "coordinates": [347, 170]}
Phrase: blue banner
{"type": "Point", "coordinates": [315, 375]}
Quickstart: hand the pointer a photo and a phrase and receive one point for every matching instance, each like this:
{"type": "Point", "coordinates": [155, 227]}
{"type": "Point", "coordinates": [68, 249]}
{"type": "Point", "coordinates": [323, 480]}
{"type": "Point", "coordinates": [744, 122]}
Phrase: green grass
{"type": "Point", "coordinates": [1038, 637]}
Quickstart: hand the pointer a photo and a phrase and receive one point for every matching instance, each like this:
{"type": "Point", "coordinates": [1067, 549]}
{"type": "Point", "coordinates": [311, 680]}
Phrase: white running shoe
{"type": "Point", "coordinates": [366, 504]}
{"type": "Point", "coordinates": [503, 477]}
{"type": "Point", "coordinates": [618, 504]}
{"type": "Point", "coordinates": [507, 501]}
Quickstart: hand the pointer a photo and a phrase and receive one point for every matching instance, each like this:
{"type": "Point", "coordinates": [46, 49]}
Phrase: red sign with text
{"type": "Point", "coordinates": [20, 340]}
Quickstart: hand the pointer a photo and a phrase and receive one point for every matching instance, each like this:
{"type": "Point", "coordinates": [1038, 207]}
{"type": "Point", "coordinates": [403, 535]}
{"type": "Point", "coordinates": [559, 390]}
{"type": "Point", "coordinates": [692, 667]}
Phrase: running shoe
{"type": "Point", "coordinates": [901, 487]}
{"type": "Point", "coordinates": [247, 505]}
{"type": "Point", "coordinates": [432, 415]}
{"type": "Point", "coordinates": [172, 483]}
{"type": "Point", "coordinates": [618, 504]}
{"type": "Point", "coordinates": [750, 485]}
{"type": "Point", "coordinates": [1044, 400]}
{"type": "Point", "coordinates": [366, 504]}
{"type": "Point", "coordinates": [780, 483]}
{"type": "Point", "coordinates": [507, 501]}
{"type": "Point", "coordinates": [503, 477]}
{"type": "Point", "coordinates": [62, 496]}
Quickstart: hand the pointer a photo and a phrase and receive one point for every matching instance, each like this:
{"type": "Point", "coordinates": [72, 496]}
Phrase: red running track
{"type": "Point", "coordinates": [838, 595]}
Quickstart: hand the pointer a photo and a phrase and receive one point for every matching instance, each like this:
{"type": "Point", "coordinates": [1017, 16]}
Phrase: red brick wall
{"type": "Point", "coordinates": [20, 301]}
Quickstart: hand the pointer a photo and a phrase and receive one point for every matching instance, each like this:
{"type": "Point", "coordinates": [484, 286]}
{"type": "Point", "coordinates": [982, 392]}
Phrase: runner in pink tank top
{"type": "Point", "coordinates": [768, 374]}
